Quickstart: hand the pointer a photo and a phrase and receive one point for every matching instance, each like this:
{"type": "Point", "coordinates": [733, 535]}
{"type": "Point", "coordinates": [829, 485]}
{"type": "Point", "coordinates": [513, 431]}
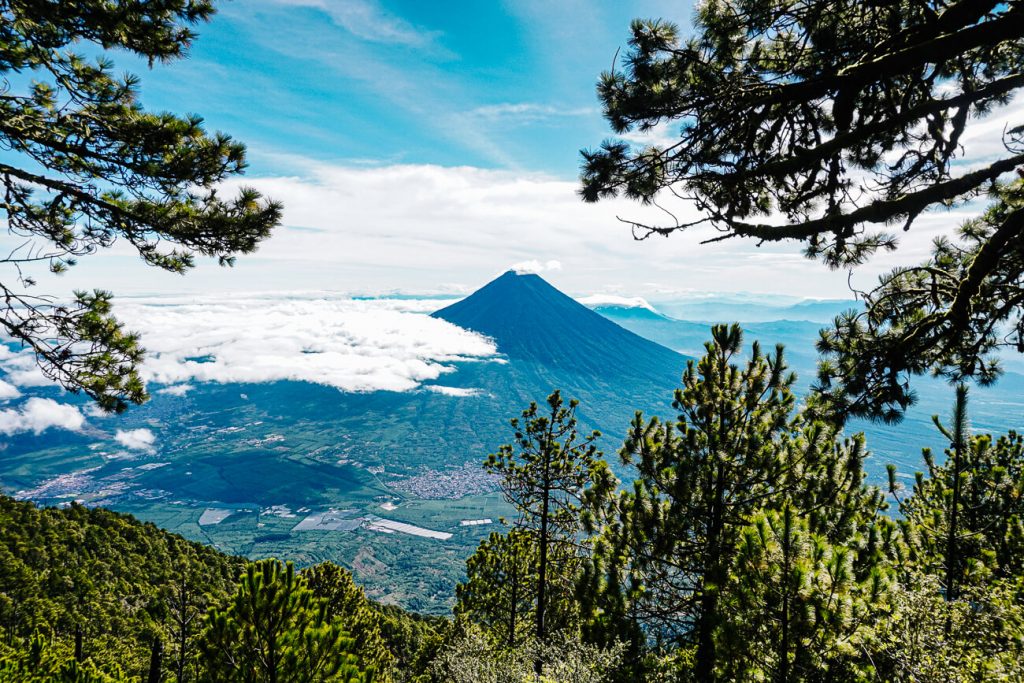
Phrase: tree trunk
{"type": "Point", "coordinates": [784, 637]}
{"type": "Point", "coordinates": [542, 576]}
{"type": "Point", "coordinates": [704, 664]}
{"type": "Point", "coordinates": [959, 429]}
{"type": "Point", "coordinates": [155, 657]}
{"type": "Point", "coordinates": [182, 620]}
{"type": "Point", "coordinates": [514, 600]}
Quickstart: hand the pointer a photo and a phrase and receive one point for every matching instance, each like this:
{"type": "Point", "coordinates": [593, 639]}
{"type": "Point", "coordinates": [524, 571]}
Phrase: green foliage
{"type": "Point", "coordinates": [979, 637]}
{"type": "Point", "coordinates": [500, 590]}
{"type": "Point", "coordinates": [663, 563]}
{"type": "Point", "coordinates": [123, 584]}
{"type": "Point", "coordinates": [276, 630]}
{"type": "Point", "coordinates": [814, 122]}
{"type": "Point", "coordinates": [347, 603]}
{"type": "Point", "coordinates": [470, 656]}
{"type": "Point", "coordinates": [952, 315]}
{"type": "Point", "coordinates": [38, 664]}
{"type": "Point", "coordinates": [986, 491]}
{"type": "Point", "coordinates": [90, 166]}
{"type": "Point", "coordinates": [412, 639]}
{"type": "Point", "coordinates": [63, 570]}
{"type": "Point", "coordinates": [798, 611]}
{"type": "Point", "coordinates": [545, 476]}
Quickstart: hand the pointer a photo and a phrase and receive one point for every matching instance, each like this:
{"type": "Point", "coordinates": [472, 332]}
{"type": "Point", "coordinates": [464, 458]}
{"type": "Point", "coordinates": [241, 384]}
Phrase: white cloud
{"type": "Point", "coordinates": [452, 391]}
{"type": "Point", "coordinates": [93, 410]}
{"type": "Point", "coordinates": [176, 389]}
{"type": "Point", "coordinates": [21, 368]}
{"type": "Point", "coordinates": [403, 225]}
{"type": "Point", "coordinates": [414, 227]}
{"type": "Point", "coordinates": [367, 20]}
{"type": "Point", "coordinates": [527, 112]}
{"type": "Point", "coordinates": [354, 345]}
{"type": "Point", "coordinates": [535, 267]}
{"type": "Point", "coordinates": [8, 391]}
{"type": "Point", "coordinates": [615, 300]}
{"type": "Point", "coordinates": [36, 415]}
{"type": "Point", "coordinates": [136, 439]}
{"type": "Point", "coordinates": [663, 135]}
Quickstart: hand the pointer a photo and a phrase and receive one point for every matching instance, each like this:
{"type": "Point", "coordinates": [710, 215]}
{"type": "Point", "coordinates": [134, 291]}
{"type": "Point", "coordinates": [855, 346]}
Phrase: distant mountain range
{"type": "Point", "coordinates": [995, 409]}
{"type": "Point", "coordinates": [735, 308]}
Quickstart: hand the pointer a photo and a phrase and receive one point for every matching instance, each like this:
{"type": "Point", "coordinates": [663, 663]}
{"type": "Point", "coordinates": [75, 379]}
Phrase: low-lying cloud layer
{"type": "Point", "coordinates": [354, 345]}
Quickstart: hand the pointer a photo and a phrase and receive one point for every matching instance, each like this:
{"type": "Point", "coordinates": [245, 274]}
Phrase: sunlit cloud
{"type": "Point", "coordinates": [535, 267]}
{"type": "Point", "coordinates": [37, 415]}
{"type": "Point", "coordinates": [353, 345]}
{"type": "Point", "coordinates": [8, 391]}
{"type": "Point", "coordinates": [136, 439]}
{"type": "Point", "coordinates": [176, 389]}
{"type": "Point", "coordinates": [368, 21]}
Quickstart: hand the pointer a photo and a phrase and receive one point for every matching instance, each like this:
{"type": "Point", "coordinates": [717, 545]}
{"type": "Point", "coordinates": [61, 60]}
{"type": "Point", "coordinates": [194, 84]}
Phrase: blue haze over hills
{"type": "Point", "coordinates": [994, 409]}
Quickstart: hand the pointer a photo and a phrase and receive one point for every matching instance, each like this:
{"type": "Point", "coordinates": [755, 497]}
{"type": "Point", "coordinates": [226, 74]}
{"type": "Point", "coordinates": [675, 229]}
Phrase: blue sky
{"type": "Point", "coordinates": [499, 85]}
{"type": "Point", "coordinates": [428, 146]}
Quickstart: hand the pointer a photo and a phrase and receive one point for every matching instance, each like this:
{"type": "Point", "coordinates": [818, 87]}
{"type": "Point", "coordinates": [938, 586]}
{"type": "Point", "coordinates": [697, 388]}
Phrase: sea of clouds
{"type": "Point", "coordinates": [354, 345]}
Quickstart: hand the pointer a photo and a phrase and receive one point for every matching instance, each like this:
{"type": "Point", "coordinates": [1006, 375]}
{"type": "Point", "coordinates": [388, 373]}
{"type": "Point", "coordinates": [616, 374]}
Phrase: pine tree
{"type": "Point", "coordinates": [820, 123]}
{"type": "Point", "coordinates": [797, 611]}
{"type": "Point", "coordinates": [544, 475]}
{"type": "Point", "coordinates": [38, 663]}
{"type": "Point", "coordinates": [346, 602]}
{"type": "Point", "coordinates": [499, 593]}
{"type": "Point", "coordinates": [275, 631]}
{"type": "Point", "coordinates": [86, 165]}
{"type": "Point", "coordinates": [669, 542]}
{"type": "Point", "coordinates": [965, 518]}
{"type": "Point", "coordinates": [184, 610]}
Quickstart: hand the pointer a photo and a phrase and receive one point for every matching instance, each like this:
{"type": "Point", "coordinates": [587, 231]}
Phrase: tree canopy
{"type": "Point", "coordinates": [835, 124]}
{"type": "Point", "coordinates": [84, 165]}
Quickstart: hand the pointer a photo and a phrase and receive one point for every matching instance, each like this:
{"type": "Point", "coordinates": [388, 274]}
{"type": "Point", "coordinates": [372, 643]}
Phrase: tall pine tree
{"type": "Point", "coordinates": [738, 447]}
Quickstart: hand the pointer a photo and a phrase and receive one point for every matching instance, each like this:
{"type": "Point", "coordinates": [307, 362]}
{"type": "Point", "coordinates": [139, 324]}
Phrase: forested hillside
{"type": "Point", "coordinates": [93, 595]}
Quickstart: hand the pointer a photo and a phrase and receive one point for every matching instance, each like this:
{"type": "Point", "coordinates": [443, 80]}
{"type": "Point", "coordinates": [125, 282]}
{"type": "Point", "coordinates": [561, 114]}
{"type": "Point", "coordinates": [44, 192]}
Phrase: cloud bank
{"type": "Point", "coordinates": [353, 345]}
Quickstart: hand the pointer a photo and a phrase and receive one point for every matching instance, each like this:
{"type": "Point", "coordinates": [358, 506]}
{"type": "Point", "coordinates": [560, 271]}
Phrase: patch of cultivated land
{"type": "Point", "coordinates": [391, 526]}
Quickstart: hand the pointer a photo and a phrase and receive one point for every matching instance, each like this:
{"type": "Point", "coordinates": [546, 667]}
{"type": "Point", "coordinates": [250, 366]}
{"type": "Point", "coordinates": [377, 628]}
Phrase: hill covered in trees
{"type": "Point", "coordinates": [87, 594]}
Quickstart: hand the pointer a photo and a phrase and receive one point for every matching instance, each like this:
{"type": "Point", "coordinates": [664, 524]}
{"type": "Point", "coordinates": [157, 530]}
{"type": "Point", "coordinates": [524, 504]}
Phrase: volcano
{"type": "Point", "coordinates": [532, 322]}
